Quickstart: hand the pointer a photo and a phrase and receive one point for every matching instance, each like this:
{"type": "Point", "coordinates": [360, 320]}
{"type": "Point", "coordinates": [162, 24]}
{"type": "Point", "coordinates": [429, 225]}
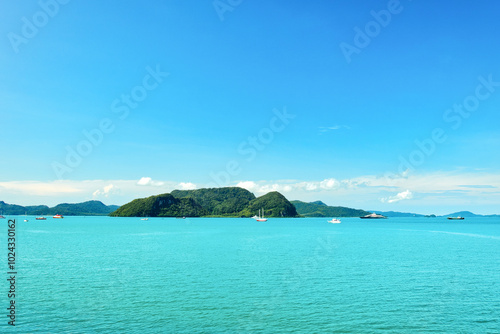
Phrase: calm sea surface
{"type": "Point", "coordinates": [199, 275]}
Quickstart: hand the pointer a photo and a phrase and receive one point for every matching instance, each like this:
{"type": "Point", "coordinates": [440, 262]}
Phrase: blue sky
{"type": "Point", "coordinates": [261, 94]}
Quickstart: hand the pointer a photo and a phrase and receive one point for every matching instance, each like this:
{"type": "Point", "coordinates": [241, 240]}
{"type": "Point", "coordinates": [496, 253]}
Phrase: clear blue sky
{"type": "Point", "coordinates": [353, 120]}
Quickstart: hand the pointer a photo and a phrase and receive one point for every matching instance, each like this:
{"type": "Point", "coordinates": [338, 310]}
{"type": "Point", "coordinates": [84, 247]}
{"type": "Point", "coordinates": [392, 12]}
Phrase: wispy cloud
{"type": "Point", "coordinates": [324, 129]}
{"type": "Point", "coordinates": [106, 191]}
{"type": "Point", "coordinates": [477, 186]}
{"type": "Point", "coordinates": [55, 188]}
{"type": "Point", "coordinates": [187, 186]}
{"type": "Point", "coordinates": [398, 197]}
{"type": "Point", "coordinates": [73, 191]}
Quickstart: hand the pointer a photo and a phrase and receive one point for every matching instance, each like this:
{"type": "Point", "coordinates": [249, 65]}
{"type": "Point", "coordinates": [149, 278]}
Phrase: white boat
{"type": "Point", "coordinates": [373, 216]}
{"type": "Point", "coordinates": [144, 218]}
{"type": "Point", "coordinates": [25, 217]}
{"type": "Point", "coordinates": [335, 221]}
{"type": "Point", "coordinates": [260, 218]}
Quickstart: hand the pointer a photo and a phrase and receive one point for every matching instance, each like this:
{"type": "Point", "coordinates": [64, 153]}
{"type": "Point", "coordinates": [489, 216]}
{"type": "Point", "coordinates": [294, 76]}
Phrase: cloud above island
{"type": "Point", "coordinates": [147, 181]}
{"type": "Point", "coordinates": [106, 191]}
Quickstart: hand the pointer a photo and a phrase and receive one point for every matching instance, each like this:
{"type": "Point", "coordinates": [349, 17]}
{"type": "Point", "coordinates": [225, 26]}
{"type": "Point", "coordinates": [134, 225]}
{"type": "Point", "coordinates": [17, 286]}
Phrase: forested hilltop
{"type": "Point", "coordinates": [89, 208]}
{"type": "Point", "coordinates": [208, 202]}
{"type": "Point", "coordinates": [320, 209]}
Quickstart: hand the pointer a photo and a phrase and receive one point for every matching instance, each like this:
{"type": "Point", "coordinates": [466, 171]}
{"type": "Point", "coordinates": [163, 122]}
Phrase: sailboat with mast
{"type": "Point", "coordinates": [260, 218]}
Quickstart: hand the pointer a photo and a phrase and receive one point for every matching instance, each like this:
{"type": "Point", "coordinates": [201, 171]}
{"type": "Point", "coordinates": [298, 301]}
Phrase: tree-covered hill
{"type": "Point", "coordinates": [164, 205]}
{"type": "Point", "coordinates": [11, 209]}
{"type": "Point", "coordinates": [221, 202]}
{"type": "Point", "coordinates": [88, 208]}
{"type": "Point", "coordinates": [94, 208]}
{"type": "Point", "coordinates": [273, 204]}
{"type": "Point", "coordinates": [320, 209]}
{"type": "Point", "coordinates": [227, 201]}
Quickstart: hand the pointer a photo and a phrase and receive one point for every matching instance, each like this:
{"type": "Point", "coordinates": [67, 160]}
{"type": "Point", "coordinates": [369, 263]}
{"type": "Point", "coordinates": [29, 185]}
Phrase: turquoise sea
{"type": "Point", "coordinates": [210, 275]}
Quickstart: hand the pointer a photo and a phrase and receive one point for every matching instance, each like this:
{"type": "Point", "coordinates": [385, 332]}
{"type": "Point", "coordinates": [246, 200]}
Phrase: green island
{"type": "Point", "coordinates": [209, 202]}
{"type": "Point", "coordinates": [320, 209]}
{"type": "Point", "coordinates": [89, 208]}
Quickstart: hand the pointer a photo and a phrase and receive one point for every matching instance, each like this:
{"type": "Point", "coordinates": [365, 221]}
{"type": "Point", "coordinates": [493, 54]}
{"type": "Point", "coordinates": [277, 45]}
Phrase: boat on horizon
{"type": "Point", "coordinates": [335, 221]}
{"type": "Point", "coordinates": [456, 218]}
{"type": "Point", "coordinates": [58, 216]}
{"type": "Point", "coordinates": [41, 218]}
{"type": "Point", "coordinates": [144, 218]}
{"type": "Point", "coordinates": [373, 216]}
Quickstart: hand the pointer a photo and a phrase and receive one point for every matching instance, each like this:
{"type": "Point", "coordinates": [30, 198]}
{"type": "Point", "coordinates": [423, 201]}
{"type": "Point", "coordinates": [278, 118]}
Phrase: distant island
{"type": "Point", "coordinates": [320, 209]}
{"type": "Point", "coordinates": [89, 208]}
{"type": "Point", "coordinates": [466, 214]}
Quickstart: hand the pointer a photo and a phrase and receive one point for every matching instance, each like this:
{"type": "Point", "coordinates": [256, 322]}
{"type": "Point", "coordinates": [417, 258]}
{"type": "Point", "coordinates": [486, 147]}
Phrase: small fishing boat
{"type": "Point", "coordinates": [456, 218]}
{"type": "Point", "coordinates": [58, 216]}
{"type": "Point", "coordinates": [335, 221]}
{"type": "Point", "coordinates": [41, 218]}
{"type": "Point", "coordinates": [144, 218]}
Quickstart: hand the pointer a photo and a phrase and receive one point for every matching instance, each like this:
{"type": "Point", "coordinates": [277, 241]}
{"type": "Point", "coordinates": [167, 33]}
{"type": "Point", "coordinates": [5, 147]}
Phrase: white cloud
{"type": "Point", "coordinates": [106, 191]}
{"type": "Point", "coordinates": [329, 184]}
{"type": "Point", "coordinates": [289, 186]}
{"type": "Point", "coordinates": [399, 197]}
{"type": "Point", "coordinates": [248, 185]}
{"type": "Point", "coordinates": [309, 186]}
{"type": "Point", "coordinates": [187, 186]}
{"type": "Point", "coordinates": [144, 181]}
{"type": "Point", "coordinates": [147, 181]}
